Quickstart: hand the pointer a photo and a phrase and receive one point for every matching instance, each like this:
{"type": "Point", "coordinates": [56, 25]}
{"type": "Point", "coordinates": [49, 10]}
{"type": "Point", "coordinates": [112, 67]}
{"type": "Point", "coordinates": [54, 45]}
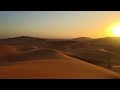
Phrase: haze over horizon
{"type": "Point", "coordinates": [57, 24]}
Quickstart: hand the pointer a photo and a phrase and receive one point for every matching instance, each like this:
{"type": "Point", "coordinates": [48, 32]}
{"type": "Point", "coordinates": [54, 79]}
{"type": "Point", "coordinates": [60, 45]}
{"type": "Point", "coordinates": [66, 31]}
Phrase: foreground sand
{"type": "Point", "coordinates": [52, 64]}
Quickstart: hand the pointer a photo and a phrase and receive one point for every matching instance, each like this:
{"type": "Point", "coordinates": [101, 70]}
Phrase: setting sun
{"type": "Point", "coordinates": [116, 31]}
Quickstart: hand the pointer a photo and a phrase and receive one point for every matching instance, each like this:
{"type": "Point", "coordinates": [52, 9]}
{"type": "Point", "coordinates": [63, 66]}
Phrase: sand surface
{"type": "Point", "coordinates": [51, 64]}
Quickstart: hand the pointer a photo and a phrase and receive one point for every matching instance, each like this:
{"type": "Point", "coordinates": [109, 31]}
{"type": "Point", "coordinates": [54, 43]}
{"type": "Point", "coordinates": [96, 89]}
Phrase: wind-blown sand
{"type": "Point", "coordinates": [51, 64]}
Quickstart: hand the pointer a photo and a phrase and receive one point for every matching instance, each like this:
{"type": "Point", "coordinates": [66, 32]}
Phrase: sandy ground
{"type": "Point", "coordinates": [47, 63]}
{"type": "Point", "coordinates": [52, 64]}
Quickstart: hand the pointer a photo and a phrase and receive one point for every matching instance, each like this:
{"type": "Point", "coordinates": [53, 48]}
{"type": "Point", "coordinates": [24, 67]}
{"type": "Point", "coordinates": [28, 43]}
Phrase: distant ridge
{"type": "Point", "coordinates": [22, 40]}
{"type": "Point", "coordinates": [82, 39]}
{"type": "Point", "coordinates": [23, 37]}
{"type": "Point", "coordinates": [106, 41]}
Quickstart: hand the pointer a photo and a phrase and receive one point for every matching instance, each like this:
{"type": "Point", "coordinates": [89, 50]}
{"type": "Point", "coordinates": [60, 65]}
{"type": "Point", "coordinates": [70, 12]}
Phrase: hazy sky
{"type": "Point", "coordinates": [57, 24]}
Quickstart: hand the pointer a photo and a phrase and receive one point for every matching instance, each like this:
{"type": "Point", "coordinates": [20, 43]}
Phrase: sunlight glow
{"type": "Point", "coordinates": [114, 30]}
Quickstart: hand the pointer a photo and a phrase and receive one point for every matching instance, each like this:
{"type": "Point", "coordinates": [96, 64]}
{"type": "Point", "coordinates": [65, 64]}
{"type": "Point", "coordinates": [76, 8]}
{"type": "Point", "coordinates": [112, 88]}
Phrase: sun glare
{"type": "Point", "coordinates": [114, 30]}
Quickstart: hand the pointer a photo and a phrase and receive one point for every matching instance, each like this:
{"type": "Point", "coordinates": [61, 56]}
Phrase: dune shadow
{"type": "Point", "coordinates": [40, 54]}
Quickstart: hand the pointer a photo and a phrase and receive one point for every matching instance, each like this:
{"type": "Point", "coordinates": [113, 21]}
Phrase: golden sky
{"type": "Point", "coordinates": [59, 24]}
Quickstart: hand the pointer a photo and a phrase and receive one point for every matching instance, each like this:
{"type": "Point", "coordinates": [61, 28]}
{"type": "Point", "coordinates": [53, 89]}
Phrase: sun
{"type": "Point", "coordinates": [113, 30]}
{"type": "Point", "coordinates": [116, 31]}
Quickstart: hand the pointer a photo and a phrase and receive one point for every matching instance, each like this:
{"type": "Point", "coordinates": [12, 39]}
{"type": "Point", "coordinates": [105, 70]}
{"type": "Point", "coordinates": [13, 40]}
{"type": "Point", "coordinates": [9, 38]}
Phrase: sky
{"type": "Point", "coordinates": [57, 24]}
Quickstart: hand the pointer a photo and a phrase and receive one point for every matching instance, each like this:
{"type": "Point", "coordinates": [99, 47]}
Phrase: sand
{"type": "Point", "coordinates": [51, 64]}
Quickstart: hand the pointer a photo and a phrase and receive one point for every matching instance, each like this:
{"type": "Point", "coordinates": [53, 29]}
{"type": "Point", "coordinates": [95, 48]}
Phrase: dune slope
{"type": "Point", "coordinates": [52, 64]}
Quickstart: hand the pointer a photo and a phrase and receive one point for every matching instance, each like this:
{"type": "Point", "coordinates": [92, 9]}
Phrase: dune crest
{"type": "Point", "coordinates": [35, 54]}
{"type": "Point", "coordinates": [48, 63]}
{"type": "Point", "coordinates": [27, 57]}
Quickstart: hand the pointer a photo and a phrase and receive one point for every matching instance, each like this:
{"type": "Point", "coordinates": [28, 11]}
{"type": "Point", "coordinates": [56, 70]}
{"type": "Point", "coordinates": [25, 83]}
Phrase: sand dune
{"type": "Point", "coordinates": [82, 39]}
{"type": "Point", "coordinates": [77, 48]}
{"type": "Point", "coordinates": [7, 49]}
{"type": "Point", "coordinates": [24, 41]}
{"type": "Point", "coordinates": [54, 69]}
{"type": "Point", "coordinates": [52, 64]}
{"type": "Point", "coordinates": [36, 54]}
{"type": "Point", "coordinates": [95, 56]}
{"type": "Point", "coordinates": [107, 41]}
{"type": "Point", "coordinates": [73, 46]}
{"type": "Point", "coordinates": [28, 57]}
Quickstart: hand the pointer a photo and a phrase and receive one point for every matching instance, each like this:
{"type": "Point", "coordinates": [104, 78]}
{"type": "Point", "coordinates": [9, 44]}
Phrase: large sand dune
{"type": "Point", "coordinates": [21, 52]}
{"type": "Point", "coordinates": [51, 64]}
{"type": "Point", "coordinates": [35, 54]}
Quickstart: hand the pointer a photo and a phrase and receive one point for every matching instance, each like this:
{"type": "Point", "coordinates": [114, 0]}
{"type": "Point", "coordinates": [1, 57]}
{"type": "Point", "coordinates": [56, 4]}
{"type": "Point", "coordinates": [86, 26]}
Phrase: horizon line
{"type": "Point", "coordinates": [56, 38]}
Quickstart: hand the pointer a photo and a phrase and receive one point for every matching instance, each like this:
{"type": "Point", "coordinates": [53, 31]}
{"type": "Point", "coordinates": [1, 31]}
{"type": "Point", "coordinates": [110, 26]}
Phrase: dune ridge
{"type": "Point", "coordinates": [52, 64]}
{"type": "Point", "coordinates": [27, 57]}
